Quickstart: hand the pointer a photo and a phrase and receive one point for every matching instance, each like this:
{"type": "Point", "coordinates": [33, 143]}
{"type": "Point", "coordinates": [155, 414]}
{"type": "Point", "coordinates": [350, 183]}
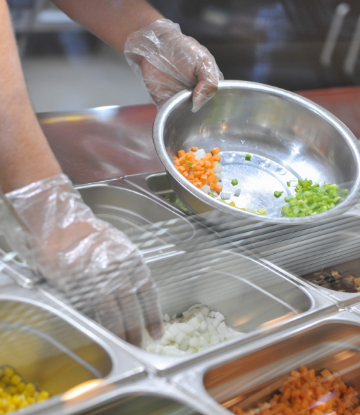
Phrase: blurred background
{"type": "Point", "coordinates": [292, 44]}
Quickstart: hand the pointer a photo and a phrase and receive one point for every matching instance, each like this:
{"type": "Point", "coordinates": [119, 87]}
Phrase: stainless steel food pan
{"type": "Point", "coordinates": [288, 136]}
{"type": "Point", "coordinates": [158, 186]}
{"type": "Point", "coordinates": [148, 224]}
{"type": "Point", "coordinates": [252, 375]}
{"type": "Point", "coordinates": [310, 250]}
{"type": "Point", "coordinates": [152, 396]}
{"type": "Point", "coordinates": [253, 298]}
{"type": "Point", "coordinates": [55, 347]}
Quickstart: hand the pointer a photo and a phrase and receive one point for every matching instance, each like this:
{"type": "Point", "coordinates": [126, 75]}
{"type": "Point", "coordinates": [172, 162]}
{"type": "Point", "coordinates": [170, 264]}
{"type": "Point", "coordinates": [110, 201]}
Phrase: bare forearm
{"type": "Point", "coordinates": [111, 20]}
{"type": "Point", "coordinates": [25, 155]}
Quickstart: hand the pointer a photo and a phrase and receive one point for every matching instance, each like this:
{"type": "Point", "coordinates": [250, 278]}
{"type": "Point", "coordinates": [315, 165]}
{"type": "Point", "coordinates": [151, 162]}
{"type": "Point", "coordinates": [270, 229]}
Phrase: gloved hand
{"type": "Point", "coordinates": [168, 62]}
{"type": "Point", "coordinates": [100, 271]}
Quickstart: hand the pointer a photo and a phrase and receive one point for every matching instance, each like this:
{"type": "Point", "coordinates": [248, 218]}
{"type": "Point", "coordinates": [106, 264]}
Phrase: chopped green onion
{"type": "Point", "coordinates": [288, 184]}
{"type": "Point", "coordinates": [262, 211]}
{"type": "Point", "coordinates": [277, 193]}
{"type": "Point", "coordinates": [189, 163]}
{"type": "Point", "coordinates": [234, 182]}
{"type": "Point", "coordinates": [248, 157]}
{"type": "Point", "coordinates": [311, 198]}
{"type": "Point", "coordinates": [211, 194]}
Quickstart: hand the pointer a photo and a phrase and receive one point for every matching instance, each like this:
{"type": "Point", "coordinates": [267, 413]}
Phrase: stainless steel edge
{"type": "Point", "coordinates": [342, 300]}
{"type": "Point", "coordinates": [182, 186]}
{"type": "Point", "coordinates": [163, 365]}
{"type": "Point", "coordinates": [123, 366]}
{"type": "Point", "coordinates": [177, 214]}
{"type": "Point", "coordinates": [42, 297]}
{"type": "Point", "coordinates": [139, 182]}
{"type": "Point", "coordinates": [153, 387]}
{"type": "Point", "coordinates": [191, 380]}
{"type": "Point", "coordinates": [314, 242]}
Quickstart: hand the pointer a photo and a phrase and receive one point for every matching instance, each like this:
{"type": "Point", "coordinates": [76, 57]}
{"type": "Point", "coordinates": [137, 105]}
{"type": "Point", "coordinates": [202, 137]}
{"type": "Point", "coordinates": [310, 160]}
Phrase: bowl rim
{"type": "Point", "coordinates": [158, 131]}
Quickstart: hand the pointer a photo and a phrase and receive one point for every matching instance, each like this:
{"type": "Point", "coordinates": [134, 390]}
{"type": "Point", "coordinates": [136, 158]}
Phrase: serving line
{"type": "Point", "coordinates": [152, 226]}
{"type": "Point", "coordinates": [311, 250]}
{"type": "Point", "coordinates": [147, 396]}
{"type": "Point", "coordinates": [250, 375]}
{"type": "Point", "coordinates": [52, 345]}
{"type": "Point", "coordinates": [254, 299]}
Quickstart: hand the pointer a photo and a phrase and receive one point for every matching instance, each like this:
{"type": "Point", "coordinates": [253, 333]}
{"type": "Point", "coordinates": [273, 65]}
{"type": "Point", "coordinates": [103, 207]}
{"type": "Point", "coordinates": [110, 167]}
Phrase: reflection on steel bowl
{"type": "Point", "coordinates": [288, 137]}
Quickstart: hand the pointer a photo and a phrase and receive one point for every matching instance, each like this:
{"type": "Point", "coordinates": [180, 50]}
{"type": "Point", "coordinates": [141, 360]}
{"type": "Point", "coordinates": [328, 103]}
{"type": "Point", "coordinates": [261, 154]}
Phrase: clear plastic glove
{"type": "Point", "coordinates": [98, 269]}
{"type": "Point", "coordinates": [168, 62]}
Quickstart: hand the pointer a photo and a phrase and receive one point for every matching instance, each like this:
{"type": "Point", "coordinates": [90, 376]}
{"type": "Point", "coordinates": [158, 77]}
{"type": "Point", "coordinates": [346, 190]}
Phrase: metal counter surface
{"type": "Point", "coordinates": [107, 143]}
{"type": "Point", "coordinates": [103, 143]}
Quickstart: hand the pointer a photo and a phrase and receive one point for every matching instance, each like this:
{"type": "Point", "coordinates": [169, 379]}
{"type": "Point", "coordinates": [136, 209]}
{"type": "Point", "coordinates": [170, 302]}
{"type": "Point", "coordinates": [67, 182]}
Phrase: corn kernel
{"type": "Point", "coordinates": [30, 388]}
{"type": "Point", "coordinates": [44, 395]}
{"type": "Point", "coordinates": [15, 380]}
{"type": "Point", "coordinates": [21, 387]}
{"type": "Point", "coordinates": [9, 372]}
{"type": "Point", "coordinates": [11, 390]}
{"type": "Point", "coordinates": [16, 394]}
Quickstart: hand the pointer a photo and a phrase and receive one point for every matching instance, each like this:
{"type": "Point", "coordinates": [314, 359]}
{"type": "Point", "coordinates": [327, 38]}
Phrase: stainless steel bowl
{"type": "Point", "coordinates": [289, 138]}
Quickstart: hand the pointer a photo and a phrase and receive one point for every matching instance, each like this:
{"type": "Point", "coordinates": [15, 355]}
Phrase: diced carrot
{"type": "Point", "coordinates": [181, 153]}
{"type": "Point", "coordinates": [190, 177]}
{"type": "Point", "coordinates": [210, 178]}
{"type": "Point", "coordinates": [177, 162]}
{"type": "Point", "coordinates": [217, 157]}
{"type": "Point", "coordinates": [215, 150]}
{"type": "Point", "coordinates": [212, 186]}
{"type": "Point", "coordinates": [181, 169]}
{"type": "Point", "coordinates": [296, 396]}
{"type": "Point", "coordinates": [194, 148]}
{"type": "Point", "coordinates": [189, 155]}
{"type": "Point", "coordinates": [218, 188]}
{"type": "Point", "coordinates": [198, 174]}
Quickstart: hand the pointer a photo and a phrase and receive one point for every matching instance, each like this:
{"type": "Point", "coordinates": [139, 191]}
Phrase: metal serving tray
{"type": "Point", "coordinates": [252, 374]}
{"type": "Point", "coordinates": [308, 250]}
{"type": "Point", "coordinates": [149, 224]}
{"type": "Point", "coordinates": [54, 346]}
{"type": "Point", "coordinates": [254, 298]}
{"type": "Point", "coordinates": [150, 396]}
{"type": "Point", "coordinates": [158, 186]}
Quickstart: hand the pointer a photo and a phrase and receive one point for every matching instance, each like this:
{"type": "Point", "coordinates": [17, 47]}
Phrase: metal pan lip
{"type": "Point", "coordinates": [342, 299]}
{"type": "Point", "coordinates": [349, 138]}
{"type": "Point", "coordinates": [122, 184]}
{"type": "Point", "coordinates": [109, 393]}
{"type": "Point", "coordinates": [41, 297]}
{"type": "Point", "coordinates": [191, 380]}
{"type": "Point", "coordinates": [162, 365]}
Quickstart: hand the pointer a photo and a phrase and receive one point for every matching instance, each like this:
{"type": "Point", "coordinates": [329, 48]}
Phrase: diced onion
{"type": "Point", "coordinates": [200, 154]}
{"type": "Point", "coordinates": [225, 195]}
{"type": "Point", "coordinates": [197, 329]}
{"type": "Point", "coordinates": [206, 189]}
{"type": "Point", "coordinates": [218, 168]}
